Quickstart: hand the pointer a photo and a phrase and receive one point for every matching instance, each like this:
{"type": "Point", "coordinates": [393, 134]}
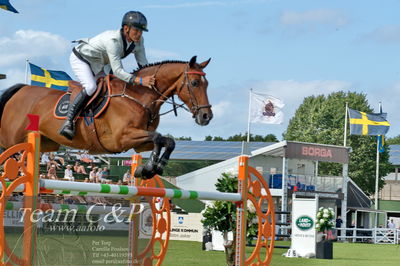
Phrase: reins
{"type": "Point", "coordinates": [164, 98]}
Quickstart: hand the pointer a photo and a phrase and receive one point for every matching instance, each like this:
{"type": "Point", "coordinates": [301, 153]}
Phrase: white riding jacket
{"type": "Point", "coordinates": [108, 48]}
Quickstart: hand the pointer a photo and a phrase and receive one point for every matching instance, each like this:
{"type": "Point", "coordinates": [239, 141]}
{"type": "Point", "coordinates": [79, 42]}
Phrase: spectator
{"type": "Point", "coordinates": [68, 173]}
{"type": "Point", "coordinates": [87, 158]}
{"type": "Point", "coordinates": [45, 159]}
{"type": "Point", "coordinates": [98, 175]}
{"type": "Point", "coordinates": [104, 174]}
{"type": "Point", "coordinates": [79, 169]}
{"type": "Point", "coordinates": [52, 172]}
{"type": "Point", "coordinates": [93, 175]}
{"type": "Point", "coordinates": [391, 224]}
{"type": "Point", "coordinates": [79, 156]}
{"type": "Point", "coordinates": [339, 223]}
{"type": "Point", "coordinates": [127, 177]}
{"type": "Point", "coordinates": [56, 159]}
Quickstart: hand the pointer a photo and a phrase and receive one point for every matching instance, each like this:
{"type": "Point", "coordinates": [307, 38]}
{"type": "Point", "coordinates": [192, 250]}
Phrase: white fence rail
{"type": "Point", "coordinates": [371, 235]}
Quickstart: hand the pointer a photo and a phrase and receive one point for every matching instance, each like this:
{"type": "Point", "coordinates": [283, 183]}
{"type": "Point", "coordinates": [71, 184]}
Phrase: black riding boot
{"type": "Point", "coordinates": [68, 128]}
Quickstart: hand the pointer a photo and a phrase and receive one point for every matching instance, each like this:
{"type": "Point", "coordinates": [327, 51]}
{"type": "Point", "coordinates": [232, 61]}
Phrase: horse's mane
{"type": "Point", "coordinates": [7, 94]}
{"type": "Point", "coordinates": [159, 63]}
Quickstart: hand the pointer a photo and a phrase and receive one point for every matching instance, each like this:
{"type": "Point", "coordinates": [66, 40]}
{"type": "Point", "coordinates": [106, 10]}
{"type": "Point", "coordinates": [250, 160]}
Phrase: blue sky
{"type": "Point", "coordinates": [288, 49]}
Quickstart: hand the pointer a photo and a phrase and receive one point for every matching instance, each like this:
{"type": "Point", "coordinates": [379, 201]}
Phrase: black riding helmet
{"type": "Point", "coordinates": [135, 19]}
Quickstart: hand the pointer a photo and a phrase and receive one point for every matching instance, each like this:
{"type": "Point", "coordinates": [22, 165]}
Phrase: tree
{"type": "Point", "coordinates": [243, 137]}
{"type": "Point", "coordinates": [221, 216]}
{"type": "Point", "coordinates": [184, 138]}
{"type": "Point", "coordinates": [393, 141]}
{"type": "Point", "coordinates": [176, 138]}
{"type": "Point", "coordinates": [320, 119]}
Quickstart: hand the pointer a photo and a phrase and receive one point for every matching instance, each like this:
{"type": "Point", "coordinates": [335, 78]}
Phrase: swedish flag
{"type": "Point", "coordinates": [368, 124]}
{"type": "Point", "coordinates": [49, 78]}
{"type": "Point", "coordinates": [5, 4]}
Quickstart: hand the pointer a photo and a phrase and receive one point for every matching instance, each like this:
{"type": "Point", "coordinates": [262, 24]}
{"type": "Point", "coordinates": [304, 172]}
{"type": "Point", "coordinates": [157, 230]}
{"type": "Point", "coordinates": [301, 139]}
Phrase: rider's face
{"type": "Point", "coordinates": [132, 34]}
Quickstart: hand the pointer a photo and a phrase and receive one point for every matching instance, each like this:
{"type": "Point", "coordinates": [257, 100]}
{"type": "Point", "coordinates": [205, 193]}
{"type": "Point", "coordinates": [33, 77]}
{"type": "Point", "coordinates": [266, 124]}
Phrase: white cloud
{"type": "Point", "coordinates": [313, 20]}
{"type": "Point", "coordinates": [220, 109]}
{"type": "Point", "coordinates": [29, 44]}
{"type": "Point", "coordinates": [294, 91]}
{"type": "Point", "coordinates": [385, 34]}
{"type": "Point", "coordinates": [14, 76]}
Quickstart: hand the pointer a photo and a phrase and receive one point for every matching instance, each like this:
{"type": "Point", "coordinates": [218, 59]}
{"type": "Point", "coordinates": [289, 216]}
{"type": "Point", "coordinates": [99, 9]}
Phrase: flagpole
{"type": "Point", "coordinates": [345, 126]}
{"type": "Point", "coordinates": [26, 71]}
{"type": "Point", "coordinates": [377, 168]}
{"type": "Point", "coordinates": [248, 120]}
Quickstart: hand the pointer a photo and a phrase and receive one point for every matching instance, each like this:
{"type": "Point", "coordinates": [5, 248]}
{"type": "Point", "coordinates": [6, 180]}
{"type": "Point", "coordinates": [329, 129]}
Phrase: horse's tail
{"type": "Point", "coordinates": [7, 94]}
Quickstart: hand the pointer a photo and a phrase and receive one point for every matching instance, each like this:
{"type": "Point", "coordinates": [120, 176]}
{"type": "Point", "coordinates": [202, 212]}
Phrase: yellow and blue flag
{"type": "Point", "coordinates": [5, 4]}
{"type": "Point", "coordinates": [49, 78]}
{"type": "Point", "coordinates": [368, 124]}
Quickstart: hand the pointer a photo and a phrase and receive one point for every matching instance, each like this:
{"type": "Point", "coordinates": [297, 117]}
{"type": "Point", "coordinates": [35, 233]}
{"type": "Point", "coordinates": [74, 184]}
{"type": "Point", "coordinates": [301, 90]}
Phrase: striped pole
{"type": "Point", "coordinates": [128, 191]}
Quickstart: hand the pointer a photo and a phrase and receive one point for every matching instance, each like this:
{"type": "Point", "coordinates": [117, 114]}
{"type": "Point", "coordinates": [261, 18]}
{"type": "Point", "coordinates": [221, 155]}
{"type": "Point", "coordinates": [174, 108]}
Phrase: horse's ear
{"type": "Point", "coordinates": [205, 63]}
{"type": "Point", "coordinates": [192, 61]}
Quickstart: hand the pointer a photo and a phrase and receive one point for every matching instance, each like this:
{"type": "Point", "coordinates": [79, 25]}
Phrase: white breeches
{"type": "Point", "coordinates": [84, 74]}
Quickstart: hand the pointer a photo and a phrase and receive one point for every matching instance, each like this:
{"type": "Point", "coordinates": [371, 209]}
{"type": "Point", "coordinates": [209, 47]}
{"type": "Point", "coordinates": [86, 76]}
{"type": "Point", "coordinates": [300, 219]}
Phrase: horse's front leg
{"type": "Point", "coordinates": [149, 167]}
{"type": "Point", "coordinates": [169, 144]}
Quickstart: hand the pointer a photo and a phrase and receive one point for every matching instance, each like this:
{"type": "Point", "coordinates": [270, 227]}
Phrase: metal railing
{"type": "Point", "coordinates": [371, 235]}
{"type": "Point", "coordinates": [321, 183]}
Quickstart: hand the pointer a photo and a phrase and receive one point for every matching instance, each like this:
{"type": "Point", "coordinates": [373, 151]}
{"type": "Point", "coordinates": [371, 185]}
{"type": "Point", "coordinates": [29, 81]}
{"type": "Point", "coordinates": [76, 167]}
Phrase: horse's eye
{"type": "Point", "coordinates": [195, 83]}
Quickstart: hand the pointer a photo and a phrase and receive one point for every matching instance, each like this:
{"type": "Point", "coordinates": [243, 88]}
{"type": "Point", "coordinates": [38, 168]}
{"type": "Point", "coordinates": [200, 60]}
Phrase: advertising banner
{"type": "Point", "coordinates": [186, 227]}
{"type": "Point", "coordinates": [304, 211]}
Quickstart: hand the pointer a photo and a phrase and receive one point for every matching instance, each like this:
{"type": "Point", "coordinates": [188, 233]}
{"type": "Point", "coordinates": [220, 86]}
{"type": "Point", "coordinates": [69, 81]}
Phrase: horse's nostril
{"type": "Point", "coordinates": [205, 116]}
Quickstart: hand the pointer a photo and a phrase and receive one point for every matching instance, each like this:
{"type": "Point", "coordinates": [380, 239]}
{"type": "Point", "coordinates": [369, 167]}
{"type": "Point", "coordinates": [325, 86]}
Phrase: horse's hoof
{"type": "Point", "coordinates": [138, 172]}
{"type": "Point", "coordinates": [148, 175]}
{"type": "Point", "coordinates": [159, 169]}
{"type": "Point", "coordinates": [143, 173]}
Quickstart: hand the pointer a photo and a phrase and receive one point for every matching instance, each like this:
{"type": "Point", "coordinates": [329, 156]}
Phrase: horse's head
{"type": "Point", "coordinates": [193, 91]}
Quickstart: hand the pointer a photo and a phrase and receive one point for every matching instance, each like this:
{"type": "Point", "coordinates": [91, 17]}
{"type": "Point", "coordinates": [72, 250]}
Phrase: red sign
{"type": "Point", "coordinates": [317, 152]}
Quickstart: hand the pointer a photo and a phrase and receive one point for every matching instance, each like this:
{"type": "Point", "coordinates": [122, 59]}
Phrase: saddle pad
{"type": "Point", "coordinates": [62, 105]}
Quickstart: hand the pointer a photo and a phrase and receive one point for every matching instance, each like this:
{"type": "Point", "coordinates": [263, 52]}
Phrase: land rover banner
{"type": "Point", "coordinates": [303, 226]}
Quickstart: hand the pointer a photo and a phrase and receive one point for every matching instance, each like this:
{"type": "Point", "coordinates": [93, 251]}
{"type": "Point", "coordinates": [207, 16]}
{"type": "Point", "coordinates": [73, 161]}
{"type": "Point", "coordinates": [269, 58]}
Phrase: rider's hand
{"type": "Point", "coordinates": [147, 81]}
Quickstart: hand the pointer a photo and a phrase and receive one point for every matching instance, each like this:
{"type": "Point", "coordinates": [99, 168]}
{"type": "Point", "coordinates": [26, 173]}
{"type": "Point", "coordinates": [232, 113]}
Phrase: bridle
{"type": "Point", "coordinates": [195, 106]}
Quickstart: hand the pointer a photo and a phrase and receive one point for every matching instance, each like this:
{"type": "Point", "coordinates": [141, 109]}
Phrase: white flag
{"type": "Point", "coordinates": [265, 109]}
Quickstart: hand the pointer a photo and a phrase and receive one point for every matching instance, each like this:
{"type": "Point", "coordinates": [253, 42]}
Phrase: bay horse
{"type": "Point", "coordinates": [130, 120]}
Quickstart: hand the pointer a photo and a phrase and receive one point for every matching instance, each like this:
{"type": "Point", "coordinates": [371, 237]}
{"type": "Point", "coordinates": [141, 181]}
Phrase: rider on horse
{"type": "Point", "coordinates": [90, 58]}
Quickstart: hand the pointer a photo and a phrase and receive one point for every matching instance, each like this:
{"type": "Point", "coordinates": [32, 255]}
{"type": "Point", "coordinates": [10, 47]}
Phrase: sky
{"type": "Point", "coordinates": [288, 49]}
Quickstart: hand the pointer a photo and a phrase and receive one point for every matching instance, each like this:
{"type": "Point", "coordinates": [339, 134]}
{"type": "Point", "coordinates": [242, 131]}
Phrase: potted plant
{"type": "Point", "coordinates": [221, 216]}
{"type": "Point", "coordinates": [324, 224]}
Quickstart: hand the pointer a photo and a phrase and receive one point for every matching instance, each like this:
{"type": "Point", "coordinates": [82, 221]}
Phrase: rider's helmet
{"type": "Point", "coordinates": [135, 19]}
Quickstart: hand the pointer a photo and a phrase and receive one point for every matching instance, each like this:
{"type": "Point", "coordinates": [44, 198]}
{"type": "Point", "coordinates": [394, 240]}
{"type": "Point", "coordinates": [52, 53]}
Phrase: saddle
{"type": "Point", "coordinates": [95, 106]}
